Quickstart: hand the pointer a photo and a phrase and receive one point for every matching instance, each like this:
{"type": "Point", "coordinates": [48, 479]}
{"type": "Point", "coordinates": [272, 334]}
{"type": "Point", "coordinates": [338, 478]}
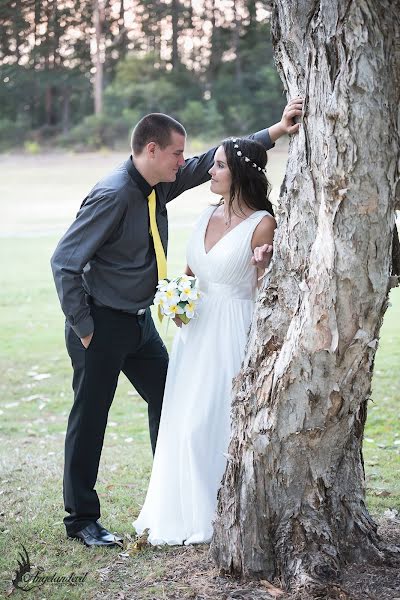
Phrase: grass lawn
{"type": "Point", "coordinates": [36, 397]}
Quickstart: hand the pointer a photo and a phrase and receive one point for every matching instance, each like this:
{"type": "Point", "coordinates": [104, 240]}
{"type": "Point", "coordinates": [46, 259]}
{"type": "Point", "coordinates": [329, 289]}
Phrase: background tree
{"type": "Point", "coordinates": [292, 502]}
{"type": "Point", "coordinates": [98, 58]}
{"type": "Point", "coordinates": [207, 63]}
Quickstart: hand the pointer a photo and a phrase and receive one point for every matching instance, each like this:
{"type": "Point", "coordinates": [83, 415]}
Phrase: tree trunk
{"type": "Point", "coordinates": [122, 32]}
{"type": "Point", "coordinates": [98, 61]}
{"type": "Point", "coordinates": [66, 108]}
{"type": "Point", "coordinates": [48, 104]}
{"type": "Point", "coordinates": [214, 55]}
{"type": "Point", "coordinates": [17, 32]}
{"type": "Point", "coordinates": [292, 501]}
{"type": "Point", "coordinates": [175, 33]}
{"type": "Point", "coordinates": [236, 44]}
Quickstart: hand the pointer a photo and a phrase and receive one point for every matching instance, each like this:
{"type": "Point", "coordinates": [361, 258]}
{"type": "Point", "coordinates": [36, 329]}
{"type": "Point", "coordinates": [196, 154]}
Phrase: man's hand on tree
{"type": "Point", "coordinates": [293, 109]}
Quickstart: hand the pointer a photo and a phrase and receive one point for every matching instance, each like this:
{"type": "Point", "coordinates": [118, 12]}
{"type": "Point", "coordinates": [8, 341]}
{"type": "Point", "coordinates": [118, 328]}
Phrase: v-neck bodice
{"type": "Point", "coordinates": [225, 234]}
{"type": "Point", "coordinates": [226, 268]}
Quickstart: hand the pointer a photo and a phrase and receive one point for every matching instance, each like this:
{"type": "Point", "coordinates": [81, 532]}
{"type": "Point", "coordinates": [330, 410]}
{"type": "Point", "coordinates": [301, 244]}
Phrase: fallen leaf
{"type": "Point", "coordinates": [391, 513]}
{"type": "Point", "coordinates": [272, 590]}
{"type": "Point", "coordinates": [104, 573]}
{"type": "Point", "coordinates": [139, 544]}
{"type": "Point", "coordinates": [40, 376]}
{"type": "Point", "coordinates": [30, 398]}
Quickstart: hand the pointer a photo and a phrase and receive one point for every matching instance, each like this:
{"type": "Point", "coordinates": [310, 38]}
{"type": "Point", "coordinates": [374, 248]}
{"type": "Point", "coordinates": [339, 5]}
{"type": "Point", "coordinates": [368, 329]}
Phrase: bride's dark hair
{"type": "Point", "coordinates": [248, 182]}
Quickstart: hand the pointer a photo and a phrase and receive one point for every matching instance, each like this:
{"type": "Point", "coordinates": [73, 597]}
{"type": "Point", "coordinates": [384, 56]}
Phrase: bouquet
{"type": "Point", "coordinates": [177, 297]}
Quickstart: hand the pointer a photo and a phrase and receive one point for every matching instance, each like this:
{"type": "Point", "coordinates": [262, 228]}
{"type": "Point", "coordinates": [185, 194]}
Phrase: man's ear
{"type": "Point", "coordinates": [151, 149]}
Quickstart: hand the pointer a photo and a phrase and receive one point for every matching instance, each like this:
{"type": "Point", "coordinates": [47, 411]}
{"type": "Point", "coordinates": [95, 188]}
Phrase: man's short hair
{"type": "Point", "coordinates": [157, 128]}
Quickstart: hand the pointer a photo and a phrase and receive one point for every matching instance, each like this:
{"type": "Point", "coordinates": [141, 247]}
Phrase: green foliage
{"type": "Point", "coordinates": [31, 147]}
{"type": "Point", "coordinates": [249, 94]}
{"type": "Point", "coordinates": [202, 119]}
{"type": "Point", "coordinates": [95, 132]}
{"type": "Point", "coordinates": [144, 86]}
{"type": "Point", "coordinates": [12, 133]}
{"type": "Point", "coordinates": [226, 84]}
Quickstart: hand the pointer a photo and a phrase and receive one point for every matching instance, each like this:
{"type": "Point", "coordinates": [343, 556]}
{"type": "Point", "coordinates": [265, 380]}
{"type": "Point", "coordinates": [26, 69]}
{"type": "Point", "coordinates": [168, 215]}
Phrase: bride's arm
{"type": "Point", "coordinates": [262, 244]}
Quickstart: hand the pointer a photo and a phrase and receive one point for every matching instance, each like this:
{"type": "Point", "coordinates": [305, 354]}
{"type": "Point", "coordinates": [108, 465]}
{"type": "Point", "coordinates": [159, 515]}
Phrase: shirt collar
{"type": "Point", "coordinates": [143, 185]}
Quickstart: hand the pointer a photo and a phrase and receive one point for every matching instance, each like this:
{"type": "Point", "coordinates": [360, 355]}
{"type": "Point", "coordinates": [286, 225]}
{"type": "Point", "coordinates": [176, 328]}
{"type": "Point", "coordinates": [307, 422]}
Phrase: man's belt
{"type": "Point", "coordinates": [92, 301]}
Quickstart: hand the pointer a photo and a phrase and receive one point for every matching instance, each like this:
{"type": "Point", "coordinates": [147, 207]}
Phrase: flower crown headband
{"type": "Point", "coordinates": [245, 158]}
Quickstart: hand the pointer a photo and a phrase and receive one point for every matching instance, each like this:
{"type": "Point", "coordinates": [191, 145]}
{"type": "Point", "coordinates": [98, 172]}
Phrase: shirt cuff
{"type": "Point", "coordinates": [84, 327]}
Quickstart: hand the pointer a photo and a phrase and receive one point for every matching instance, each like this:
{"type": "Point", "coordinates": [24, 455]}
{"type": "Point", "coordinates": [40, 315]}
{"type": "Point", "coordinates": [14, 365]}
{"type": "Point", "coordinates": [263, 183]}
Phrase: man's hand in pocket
{"type": "Point", "coordinates": [86, 340]}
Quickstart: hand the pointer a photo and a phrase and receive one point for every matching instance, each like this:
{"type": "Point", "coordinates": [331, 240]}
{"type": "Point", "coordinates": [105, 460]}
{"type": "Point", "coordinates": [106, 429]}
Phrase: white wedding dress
{"type": "Point", "coordinates": [195, 422]}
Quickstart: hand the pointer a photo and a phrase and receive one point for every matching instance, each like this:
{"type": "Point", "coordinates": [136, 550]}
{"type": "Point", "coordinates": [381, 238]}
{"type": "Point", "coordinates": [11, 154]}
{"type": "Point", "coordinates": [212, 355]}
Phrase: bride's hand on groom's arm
{"type": "Point", "coordinates": [287, 124]}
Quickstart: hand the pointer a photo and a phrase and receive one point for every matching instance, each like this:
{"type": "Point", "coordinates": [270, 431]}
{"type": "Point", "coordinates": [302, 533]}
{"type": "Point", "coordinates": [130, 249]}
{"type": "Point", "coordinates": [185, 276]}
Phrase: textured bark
{"type": "Point", "coordinates": [292, 501]}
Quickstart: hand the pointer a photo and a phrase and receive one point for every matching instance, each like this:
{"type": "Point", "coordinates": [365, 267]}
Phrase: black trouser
{"type": "Point", "coordinates": [121, 342]}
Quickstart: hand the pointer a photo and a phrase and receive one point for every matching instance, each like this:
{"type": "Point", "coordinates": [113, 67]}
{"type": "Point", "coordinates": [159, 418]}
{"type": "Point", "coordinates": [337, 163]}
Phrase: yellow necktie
{"type": "Point", "coordinates": [158, 247]}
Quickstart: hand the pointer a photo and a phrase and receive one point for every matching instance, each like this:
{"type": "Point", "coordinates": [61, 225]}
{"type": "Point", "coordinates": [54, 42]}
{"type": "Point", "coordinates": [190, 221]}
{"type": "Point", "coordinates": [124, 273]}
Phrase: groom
{"type": "Point", "coordinates": [106, 269]}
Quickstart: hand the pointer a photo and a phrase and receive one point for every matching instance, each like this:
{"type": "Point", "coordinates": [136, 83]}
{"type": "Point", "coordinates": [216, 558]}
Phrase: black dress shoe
{"type": "Point", "coordinates": [95, 534]}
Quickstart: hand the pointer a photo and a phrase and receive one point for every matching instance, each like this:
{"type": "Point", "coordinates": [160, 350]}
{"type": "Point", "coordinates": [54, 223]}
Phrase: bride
{"type": "Point", "coordinates": [228, 244]}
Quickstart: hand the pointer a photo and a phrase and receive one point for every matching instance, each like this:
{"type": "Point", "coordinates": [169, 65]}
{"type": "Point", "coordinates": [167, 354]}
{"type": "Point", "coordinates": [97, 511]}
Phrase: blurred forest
{"type": "Point", "coordinates": [81, 73]}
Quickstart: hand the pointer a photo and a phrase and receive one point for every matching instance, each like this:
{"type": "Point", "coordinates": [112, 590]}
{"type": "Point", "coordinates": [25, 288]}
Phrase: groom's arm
{"type": "Point", "coordinates": [195, 170]}
{"type": "Point", "coordinates": [99, 214]}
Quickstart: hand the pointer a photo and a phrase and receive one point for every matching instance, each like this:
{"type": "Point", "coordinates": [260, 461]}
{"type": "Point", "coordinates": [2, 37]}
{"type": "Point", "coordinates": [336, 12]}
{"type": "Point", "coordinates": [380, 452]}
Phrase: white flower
{"type": "Point", "coordinates": [173, 309]}
{"type": "Point", "coordinates": [172, 297]}
{"type": "Point", "coordinates": [177, 296]}
{"type": "Point", "coordinates": [189, 309]}
{"type": "Point", "coordinates": [162, 284]}
{"type": "Point", "coordinates": [171, 292]}
{"type": "Point", "coordinates": [187, 292]}
{"type": "Point", "coordinates": [160, 299]}
{"type": "Point", "coordinates": [186, 281]}
{"type": "Point", "coordinates": [239, 153]}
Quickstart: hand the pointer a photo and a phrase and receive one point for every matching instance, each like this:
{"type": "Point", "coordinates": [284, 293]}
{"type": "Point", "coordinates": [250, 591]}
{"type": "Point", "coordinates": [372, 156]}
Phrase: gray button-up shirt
{"type": "Point", "coordinates": [107, 252]}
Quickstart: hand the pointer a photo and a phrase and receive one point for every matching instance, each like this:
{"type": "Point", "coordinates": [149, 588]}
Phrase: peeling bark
{"type": "Point", "coordinates": [292, 501]}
